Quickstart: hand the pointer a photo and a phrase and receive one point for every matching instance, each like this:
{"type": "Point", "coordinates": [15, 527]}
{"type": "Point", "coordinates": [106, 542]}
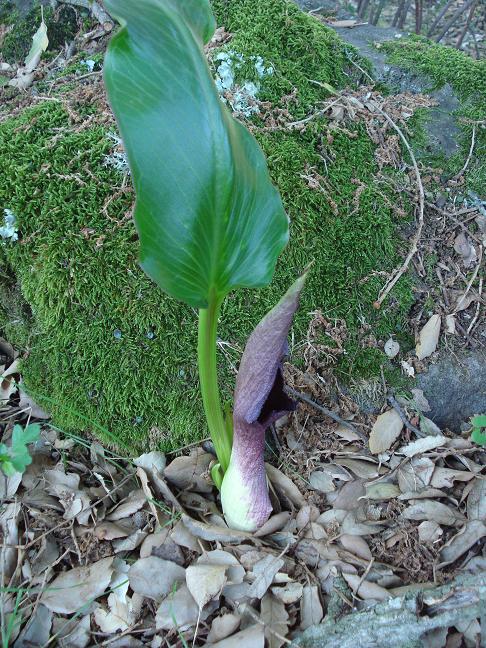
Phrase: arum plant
{"type": "Point", "coordinates": [209, 221]}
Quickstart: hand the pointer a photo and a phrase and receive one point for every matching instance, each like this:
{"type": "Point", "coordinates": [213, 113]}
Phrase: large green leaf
{"type": "Point", "coordinates": [208, 217]}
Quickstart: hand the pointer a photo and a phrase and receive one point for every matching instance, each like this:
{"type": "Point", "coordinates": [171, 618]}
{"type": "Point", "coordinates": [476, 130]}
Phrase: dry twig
{"type": "Point", "coordinates": [415, 241]}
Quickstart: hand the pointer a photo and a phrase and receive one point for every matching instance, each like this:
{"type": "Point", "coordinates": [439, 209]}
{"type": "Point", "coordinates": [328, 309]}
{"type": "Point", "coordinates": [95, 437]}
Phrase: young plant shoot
{"type": "Point", "coordinates": [209, 220]}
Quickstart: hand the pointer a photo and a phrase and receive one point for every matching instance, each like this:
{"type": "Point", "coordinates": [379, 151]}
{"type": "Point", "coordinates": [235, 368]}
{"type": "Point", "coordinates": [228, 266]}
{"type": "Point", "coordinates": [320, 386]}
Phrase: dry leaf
{"type": "Point", "coordinates": [289, 593]}
{"type": "Point", "coordinates": [264, 571]}
{"type": "Point", "coordinates": [285, 486]}
{"type": "Point", "coordinates": [445, 477]}
{"type": "Point", "coordinates": [429, 531]}
{"type": "Point", "coordinates": [311, 611]}
{"type": "Point", "coordinates": [436, 511]}
{"type": "Point", "coordinates": [190, 472]}
{"type": "Point", "coordinates": [37, 630]}
{"type": "Point", "coordinates": [381, 491]}
{"type": "Point", "coordinates": [130, 505]}
{"type": "Point", "coordinates": [215, 533]}
{"type": "Point", "coordinates": [321, 481]}
{"type": "Point", "coordinates": [74, 633]}
{"type": "Point", "coordinates": [428, 338]}
{"type": "Point", "coordinates": [356, 545]}
{"type": "Point", "coordinates": [450, 324]}
{"type": "Point", "coordinates": [429, 427]}
{"type": "Point", "coordinates": [415, 474]}
{"type": "Point", "coordinates": [470, 533]}
{"type": "Point", "coordinates": [464, 248]}
{"type": "Point", "coordinates": [345, 433]}
{"type": "Point", "coordinates": [205, 582]}
{"type": "Point", "coordinates": [273, 524]}
{"type": "Point", "coordinates": [385, 431]}
{"type": "Point", "coordinates": [365, 589]}
{"type": "Point", "coordinates": [391, 348]}
{"type": "Point", "coordinates": [476, 501]}
{"type": "Point", "coordinates": [234, 571]}
{"type": "Point", "coordinates": [347, 498]}
{"type": "Point", "coordinates": [362, 468]}
{"type": "Point", "coordinates": [177, 611]}
{"type": "Point", "coordinates": [251, 637]}
{"type": "Point", "coordinates": [154, 577]}
{"type": "Point", "coordinates": [181, 535]}
{"type": "Point", "coordinates": [276, 620]}
{"type": "Point", "coordinates": [77, 587]}
{"type": "Point", "coordinates": [422, 445]}
{"type": "Point", "coordinates": [223, 627]}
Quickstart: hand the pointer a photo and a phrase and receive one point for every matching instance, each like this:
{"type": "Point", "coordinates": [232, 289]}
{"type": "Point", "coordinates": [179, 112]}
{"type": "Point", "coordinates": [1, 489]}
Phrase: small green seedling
{"type": "Point", "coordinates": [209, 219]}
{"type": "Point", "coordinates": [478, 434]}
{"type": "Point", "coordinates": [16, 457]}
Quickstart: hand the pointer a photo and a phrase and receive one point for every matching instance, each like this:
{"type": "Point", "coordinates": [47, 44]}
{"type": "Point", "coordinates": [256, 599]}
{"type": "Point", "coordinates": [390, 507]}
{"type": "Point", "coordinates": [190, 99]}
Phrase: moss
{"type": "Point", "coordinates": [111, 353]}
{"type": "Point", "coordinates": [61, 28]}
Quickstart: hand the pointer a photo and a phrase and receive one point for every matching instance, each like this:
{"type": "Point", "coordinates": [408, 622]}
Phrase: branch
{"type": "Point", "coordinates": [401, 621]}
{"type": "Point", "coordinates": [415, 241]}
{"type": "Point", "coordinates": [451, 22]}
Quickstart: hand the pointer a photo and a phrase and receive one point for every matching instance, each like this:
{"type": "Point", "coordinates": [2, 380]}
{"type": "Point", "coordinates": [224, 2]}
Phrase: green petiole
{"type": "Point", "coordinates": [206, 350]}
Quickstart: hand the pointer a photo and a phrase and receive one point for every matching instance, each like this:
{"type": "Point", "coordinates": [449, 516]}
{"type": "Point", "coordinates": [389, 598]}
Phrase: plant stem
{"type": "Point", "coordinates": [208, 377]}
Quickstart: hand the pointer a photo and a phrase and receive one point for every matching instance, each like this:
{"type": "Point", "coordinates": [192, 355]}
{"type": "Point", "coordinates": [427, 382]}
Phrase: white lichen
{"type": "Point", "coordinates": [9, 231]}
{"type": "Point", "coordinates": [241, 97]}
{"type": "Point", "coordinates": [117, 158]}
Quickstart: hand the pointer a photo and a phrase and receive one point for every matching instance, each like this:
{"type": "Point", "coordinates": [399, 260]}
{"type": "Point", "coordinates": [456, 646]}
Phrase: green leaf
{"type": "Point", "coordinates": [16, 458]}
{"type": "Point", "coordinates": [478, 436]}
{"type": "Point", "coordinates": [208, 216]}
{"type": "Point", "coordinates": [479, 420]}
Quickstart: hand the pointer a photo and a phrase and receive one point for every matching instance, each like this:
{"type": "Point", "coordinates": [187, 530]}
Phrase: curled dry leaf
{"type": "Point", "coordinates": [364, 468]}
{"type": "Point", "coordinates": [470, 533]}
{"type": "Point", "coordinates": [285, 486]}
{"type": "Point", "coordinates": [77, 587]}
{"type": "Point", "coordinates": [445, 477]}
{"type": "Point", "coordinates": [321, 481]}
{"type": "Point", "coordinates": [356, 545]}
{"type": "Point", "coordinates": [273, 524]}
{"type": "Point", "coordinates": [364, 589]}
{"type": "Point", "coordinates": [381, 491]}
{"type": "Point", "coordinates": [415, 474]}
{"type": "Point", "coordinates": [385, 431]}
{"type": "Point", "coordinates": [215, 533]}
{"type": "Point", "coordinates": [428, 338]}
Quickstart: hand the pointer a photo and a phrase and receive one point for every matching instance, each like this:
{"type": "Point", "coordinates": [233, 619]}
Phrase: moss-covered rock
{"type": "Point", "coordinates": [467, 76]}
{"type": "Point", "coordinates": [111, 353]}
{"type": "Point", "coordinates": [62, 26]}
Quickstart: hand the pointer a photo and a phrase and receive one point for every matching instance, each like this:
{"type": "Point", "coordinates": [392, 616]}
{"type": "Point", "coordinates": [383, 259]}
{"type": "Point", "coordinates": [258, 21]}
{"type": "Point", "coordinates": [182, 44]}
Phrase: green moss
{"type": "Point", "coordinates": [111, 353]}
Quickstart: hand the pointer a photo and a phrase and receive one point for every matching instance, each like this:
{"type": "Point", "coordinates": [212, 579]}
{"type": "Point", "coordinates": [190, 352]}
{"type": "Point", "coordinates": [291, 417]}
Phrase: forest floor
{"type": "Point", "coordinates": [370, 505]}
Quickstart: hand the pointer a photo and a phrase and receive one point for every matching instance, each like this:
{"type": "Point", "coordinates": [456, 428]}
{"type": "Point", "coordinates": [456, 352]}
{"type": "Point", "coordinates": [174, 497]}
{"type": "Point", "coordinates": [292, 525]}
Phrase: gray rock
{"type": "Point", "coordinates": [455, 389]}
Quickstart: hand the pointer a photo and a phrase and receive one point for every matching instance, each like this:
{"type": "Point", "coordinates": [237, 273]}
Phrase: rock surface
{"type": "Point", "coordinates": [455, 389]}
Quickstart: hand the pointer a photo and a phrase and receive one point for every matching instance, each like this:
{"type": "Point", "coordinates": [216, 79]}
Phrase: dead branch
{"type": "Point", "coordinates": [468, 159]}
{"type": "Point", "coordinates": [401, 621]}
{"type": "Point", "coordinates": [439, 17]}
{"type": "Point", "coordinates": [415, 241]}
{"type": "Point", "coordinates": [453, 20]}
{"type": "Point", "coordinates": [466, 24]}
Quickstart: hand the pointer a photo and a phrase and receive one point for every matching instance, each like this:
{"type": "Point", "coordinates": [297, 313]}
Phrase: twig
{"type": "Point", "coordinates": [396, 406]}
{"type": "Point", "coordinates": [468, 159]}
{"type": "Point", "coordinates": [327, 412]}
{"type": "Point", "coordinates": [319, 113]}
{"type": "Point", "coordinates": [478, 308]}
{"type": "Point", "coordinates": [415, 241]}
{"type": "Point", "coordinates": [365, 574]}
{"type": "Point", "coordinates": [471, 281]}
